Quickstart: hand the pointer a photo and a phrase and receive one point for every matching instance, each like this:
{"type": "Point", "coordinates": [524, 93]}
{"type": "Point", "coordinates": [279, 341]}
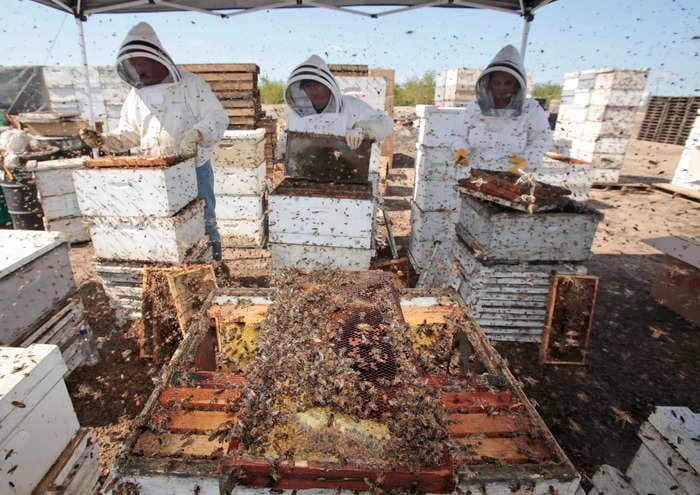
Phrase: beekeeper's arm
{"type": "Point", "coordinates": [211, 118]}
{"type": "Point", "coordinates": [369, 123]}
{"type": "Point", "coordinates": [539, 135]}
{"type": "Point", "coordinates": [126, 136]}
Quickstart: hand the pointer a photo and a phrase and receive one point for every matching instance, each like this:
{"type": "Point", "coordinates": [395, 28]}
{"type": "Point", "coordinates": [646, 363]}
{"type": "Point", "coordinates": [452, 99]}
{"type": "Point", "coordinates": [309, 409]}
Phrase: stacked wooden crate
{"type": "Point", "coordinates": [688, 170]}
{"type": "Point", "coordinates": [506, 258]}
{"type": "Point", "coordinates": [141, 211]}
{"type": "Point", "coordinates": [270, 126]}
{"type": "Point", "coordinates": [236, 87]}
{"type": "Point", "coordinates": [669, 119]}
{"type": "Point", "coordinates": [37, 420]}
{"type": "Point", "coordinates": [596, 117]}
{"type": "Point", "coordinates": [239, 185]}
{"type": "Point", "coordinates": [54, 181]}
{"type": "Point", "coordinates": [38, 293]}
{"type": "Point", "coordinates": [435, 203]}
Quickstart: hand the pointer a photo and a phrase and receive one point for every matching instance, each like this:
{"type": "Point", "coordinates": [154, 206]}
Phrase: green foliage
{"type": "Point", "coordinates": [271, 92]}
{"type": "Point", "coordinates": [548, 91]}
{"type": "Point", "coordinates": [416, 91]}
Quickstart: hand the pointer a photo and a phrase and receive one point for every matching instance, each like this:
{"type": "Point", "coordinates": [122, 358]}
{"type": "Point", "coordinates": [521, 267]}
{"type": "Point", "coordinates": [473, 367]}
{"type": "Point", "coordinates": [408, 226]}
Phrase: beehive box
{"type": "Point", "coordinates": [75, 472]}
{"type": "Point", "coordinates": [35, 274]}
{"type": "Point", "coordinates": [37, 419]}
{"type": "Point", "coordinates": [509, 301]}
{"type": "Point", "coordinates": [155, 239]}
{"type": "Point", "coordinates": [429, 228]}
{"type": "Point", "coordinates": [322, 214]}
{"type": "Point", "coordinates": [436, 176]}
{"type": "Point", "coordinates": [490, 452]}
{"type": "Point", "coordinates": [135, 186]}
{"type": "Point", "coordinates": [504, 235]}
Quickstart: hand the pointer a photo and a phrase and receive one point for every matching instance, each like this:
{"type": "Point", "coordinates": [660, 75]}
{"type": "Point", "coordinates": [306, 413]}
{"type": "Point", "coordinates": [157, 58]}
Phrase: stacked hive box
{"type": "Point", "coordinates": [315, 226]}
{"type": "Point", "coordinates": [54, 180]}
{"type": "Point", "coordinates": [688, 170]}
{"type": "Point", "coordinates": [457, 87]}
{"type": "Point", "coordinates": [435, 203]}
{"type": "Point", "coordinates": [506, 258]}
{"type": "Point", "coordinates": [139, 215]}
{"type": "Point", "coordinates": [37, 293]}
{"type": "Point", "coordinates": [236, 87]}
{"type": "Point", "coordinates": [596, 117]}
{"type": "Point", "coordinates": [239, 185]}
{"type": "Point", "coordinates": [37, 420]}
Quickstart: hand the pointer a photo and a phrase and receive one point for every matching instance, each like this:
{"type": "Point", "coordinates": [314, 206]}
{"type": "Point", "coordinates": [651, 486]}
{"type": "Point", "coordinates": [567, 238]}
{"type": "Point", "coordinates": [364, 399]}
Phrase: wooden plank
{"type": "Point", "coordinates": [232, 85]}
{"type": "Point", "coordinates": [478, 402]}
{"type": "Point", "coordinates": [462, 425]}
{"type": "Point", "coordinates": [208, 399]}
{"type": "Point", "coordinates": [248, 121]}
{"type": "Point", "coordinates": [150, 444]}
{"type": "Point", "coordinates": [239, 103]}
{"type": "Point", "coordinates": [185, 421]}
{"type": "Point", "coordinates": [220, 68]}
{"type": "Point", "coordinates": [218, 379]}
{"type": "Point", "coordinates": [70, 454]}
{"type": "Point", "coordinates": [227, 76]}
{"type": "Point", "coordinates": [515, 450]}
{"type": "Point", "coordinates": [234, 313]}
{"type": "Point", "coordinates": [241, 112]}
{"type": "Point", "coordinates": [677, 190]}
{"type": "Point", "coordinates": [417, 315]}
{"type": "Point", "coordinates": [238, 95]}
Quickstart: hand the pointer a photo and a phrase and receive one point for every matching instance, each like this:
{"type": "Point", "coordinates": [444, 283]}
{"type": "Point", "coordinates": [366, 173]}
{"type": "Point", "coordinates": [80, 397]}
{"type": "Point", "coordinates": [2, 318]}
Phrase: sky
{"type": "Point", "coordinates": [566, 36]}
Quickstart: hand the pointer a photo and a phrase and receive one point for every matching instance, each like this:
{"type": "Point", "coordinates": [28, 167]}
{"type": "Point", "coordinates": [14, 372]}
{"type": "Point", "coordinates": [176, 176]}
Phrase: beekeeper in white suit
{"type": "Point", "coordinates": [503, 130]}
{"type": "Point", "coordinates": [168, 111]}
{"type": "Point", "coordinates": [319, 107]}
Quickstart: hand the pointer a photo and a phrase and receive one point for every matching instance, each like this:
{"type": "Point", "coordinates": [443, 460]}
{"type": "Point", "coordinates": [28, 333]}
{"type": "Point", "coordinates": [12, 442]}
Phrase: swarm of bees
{"type": "Point", "coordinates": [332, 361]}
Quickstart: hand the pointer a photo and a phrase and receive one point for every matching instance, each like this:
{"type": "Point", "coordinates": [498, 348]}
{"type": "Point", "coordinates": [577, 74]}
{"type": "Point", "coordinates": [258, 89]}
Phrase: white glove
{"type": "Point", "coordinates": [354, 137]}
{"type": "Point", "coordinates": [189, 144]}
{"type": "Point", "coordinates": [11, 161]}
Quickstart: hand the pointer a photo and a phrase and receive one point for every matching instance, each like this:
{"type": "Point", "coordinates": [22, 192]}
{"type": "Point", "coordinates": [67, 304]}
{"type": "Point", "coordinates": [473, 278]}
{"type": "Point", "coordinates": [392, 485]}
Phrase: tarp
{"type": "Point", "coordinates": [226, 8]}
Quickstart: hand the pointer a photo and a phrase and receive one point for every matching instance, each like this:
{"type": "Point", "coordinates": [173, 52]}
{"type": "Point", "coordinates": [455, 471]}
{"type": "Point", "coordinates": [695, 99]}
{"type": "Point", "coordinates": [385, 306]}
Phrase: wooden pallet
{"type": "Point", "coordinates": [669, 119]}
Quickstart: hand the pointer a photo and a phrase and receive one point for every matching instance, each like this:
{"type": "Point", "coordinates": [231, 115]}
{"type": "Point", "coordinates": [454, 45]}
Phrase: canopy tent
{"type": "Point", "coordinates": [82, 9]}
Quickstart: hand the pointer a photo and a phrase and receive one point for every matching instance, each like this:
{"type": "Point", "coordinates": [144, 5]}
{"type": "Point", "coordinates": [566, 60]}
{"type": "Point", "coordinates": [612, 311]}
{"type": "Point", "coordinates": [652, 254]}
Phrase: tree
{"type": "Point", "coordinates": [271, 92]}
{"type": "Point", "coordinates": [548, 90]}
{"type": "Point", "coordinates": [416, 91]}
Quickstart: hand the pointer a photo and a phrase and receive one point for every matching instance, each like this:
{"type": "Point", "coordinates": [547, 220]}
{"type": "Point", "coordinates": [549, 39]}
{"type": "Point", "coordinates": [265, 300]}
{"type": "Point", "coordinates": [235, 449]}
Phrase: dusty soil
{"type": "Point", "coordinates": [641, 354]}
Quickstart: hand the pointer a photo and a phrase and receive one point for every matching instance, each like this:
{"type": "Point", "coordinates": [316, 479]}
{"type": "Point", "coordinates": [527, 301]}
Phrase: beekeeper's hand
{"type": "Point", "coordinates": [190, 142]}
{"type": "Point", "coordinates": [11, 161]}
{"type": "Point", "coordinates": [519, 163]}
{"type": "Point", "coordinates": [461, 157]}
{"type": "Point", "coordinates": [92, 138]}
{"type": "Point", "coordinates": [354, 137]}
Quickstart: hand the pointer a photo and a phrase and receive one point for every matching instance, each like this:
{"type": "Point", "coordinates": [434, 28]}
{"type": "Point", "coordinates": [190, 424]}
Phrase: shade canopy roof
{"type": "Point", "coordinates": [229, 8]}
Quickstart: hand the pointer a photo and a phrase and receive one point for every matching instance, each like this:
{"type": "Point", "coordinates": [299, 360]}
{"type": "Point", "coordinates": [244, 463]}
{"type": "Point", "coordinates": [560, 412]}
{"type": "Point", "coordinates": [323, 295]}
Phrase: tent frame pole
{"type": "Point", "coordinates": [526, 32]}
{"type": "Point", "coordinates": [86, 77]}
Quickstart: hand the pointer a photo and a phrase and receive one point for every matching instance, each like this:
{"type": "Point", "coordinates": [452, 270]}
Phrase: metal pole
{"type": "Point", "coordinates": [526, 31]}
{"type": "Point", "coordinates": [86, 77]}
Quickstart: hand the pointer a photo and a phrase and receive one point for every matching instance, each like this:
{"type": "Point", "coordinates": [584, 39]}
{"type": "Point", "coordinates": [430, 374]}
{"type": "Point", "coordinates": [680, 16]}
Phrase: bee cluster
{"type": "Point", "coordinates": [334, 344]}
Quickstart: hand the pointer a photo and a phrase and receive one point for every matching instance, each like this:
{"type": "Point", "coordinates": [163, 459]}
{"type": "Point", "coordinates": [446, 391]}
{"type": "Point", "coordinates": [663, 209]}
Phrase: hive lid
{"type": "Point", "coordinates": [26, 376]}
{"type": "Point", "coordinates": [21, 247]}
{"type": "Point", "coordinates": [61, 164]}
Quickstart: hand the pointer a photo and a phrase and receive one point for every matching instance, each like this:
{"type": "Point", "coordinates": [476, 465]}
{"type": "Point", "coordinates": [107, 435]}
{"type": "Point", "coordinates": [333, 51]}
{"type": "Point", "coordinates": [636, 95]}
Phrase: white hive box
{"type": "Point", "coordinates": [509, 301]}
{"type": "Point", "coordinates": [123, 284]}
{"type": "Point", "coordinates": [76, 471]}
{"type": "Point", "coordinates": [54, 180]}
{"type": "Point", "coordinates": [239, 181]}
{"type": "Point", "coordinates": [574, 175]}
{"type": "Point", "coordinates": [239, 163]}
{"type": "Point", "coordinates": [429, 228]}
{"type": "Point", "coordinates": [504, 235]}
{"type": "Point", "coordinates": [310, 257]}
{"type": "Point", "coordinates": [243, 233]}
{"type": "Point", "coordinates": [37, 420]}
{"type": "Point", "coordinates": [439, 126]}
{"type": "Point", "coordinates": [35, 274]}
{"type": "Point", "coordinates": [155, 239]}
{"type": "Point", "coordinates": [668, 461]}
{"type": "Point", "coordinates": [239, 207]}
{"type": "Point", "coordinates": [688, 170]}
{"type": "Point", "coordinates": [299, 216]}
{"type": "Point", "coordinates": [436, 176]}
{"type": "Point", "coordinates": [371, 90]}
{"type": "Point", "coordinates": [135, 192]}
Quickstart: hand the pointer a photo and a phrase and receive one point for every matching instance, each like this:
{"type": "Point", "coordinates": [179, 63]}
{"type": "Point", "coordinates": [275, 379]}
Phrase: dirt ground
{"type": "Point", "coordinates": [641, 354]}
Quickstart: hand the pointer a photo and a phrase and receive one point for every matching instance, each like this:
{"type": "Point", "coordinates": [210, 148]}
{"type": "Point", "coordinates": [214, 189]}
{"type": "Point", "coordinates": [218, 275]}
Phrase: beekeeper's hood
{"type": "Point", "coordinates": [506, 60]}
{"type": "Point", "coordinates": [142, 41]}
{"type": "Point", "coordinates": [314, 69]}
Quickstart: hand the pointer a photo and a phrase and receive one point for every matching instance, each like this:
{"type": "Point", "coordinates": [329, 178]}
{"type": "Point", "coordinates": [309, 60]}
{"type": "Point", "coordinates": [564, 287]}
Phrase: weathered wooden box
{"type": "Point", "coordinates": [240, 149]}
{"type": "Point", "coordinates": [133, 191]}
{"type": "Point", "coordinates": [37, 419]}
{"type": "Point", "coordinates": [322, 214]}
{"type": "Point", "coordinates": [500, 234]}
{"type": "Point", "coordinates": [35, 274]}
{"type": "Point", "coordinates": [509, 301]}
{"type": "Point", "coordinates": [497, 441]}
{"type": "Point", "coordinates": [156, 239]}
{"type": "Point", "coordinates": [668, 460]}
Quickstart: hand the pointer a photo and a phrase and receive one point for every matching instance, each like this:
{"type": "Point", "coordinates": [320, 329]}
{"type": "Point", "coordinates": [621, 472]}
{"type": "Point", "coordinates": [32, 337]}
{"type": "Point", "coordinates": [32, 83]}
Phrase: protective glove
{"type": "Point", "coordinates": [519, 163]}
{"type": "Point", "coordinates": [461, 157]}
{"type": "Point", "coordinates": [354, 137]}
{"type": "Point", "coordinates": [92, 138]}
{"type": "Point", "coordinates": [190, 143]}
{"type": "Point", "coordinates": [11, 161]}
